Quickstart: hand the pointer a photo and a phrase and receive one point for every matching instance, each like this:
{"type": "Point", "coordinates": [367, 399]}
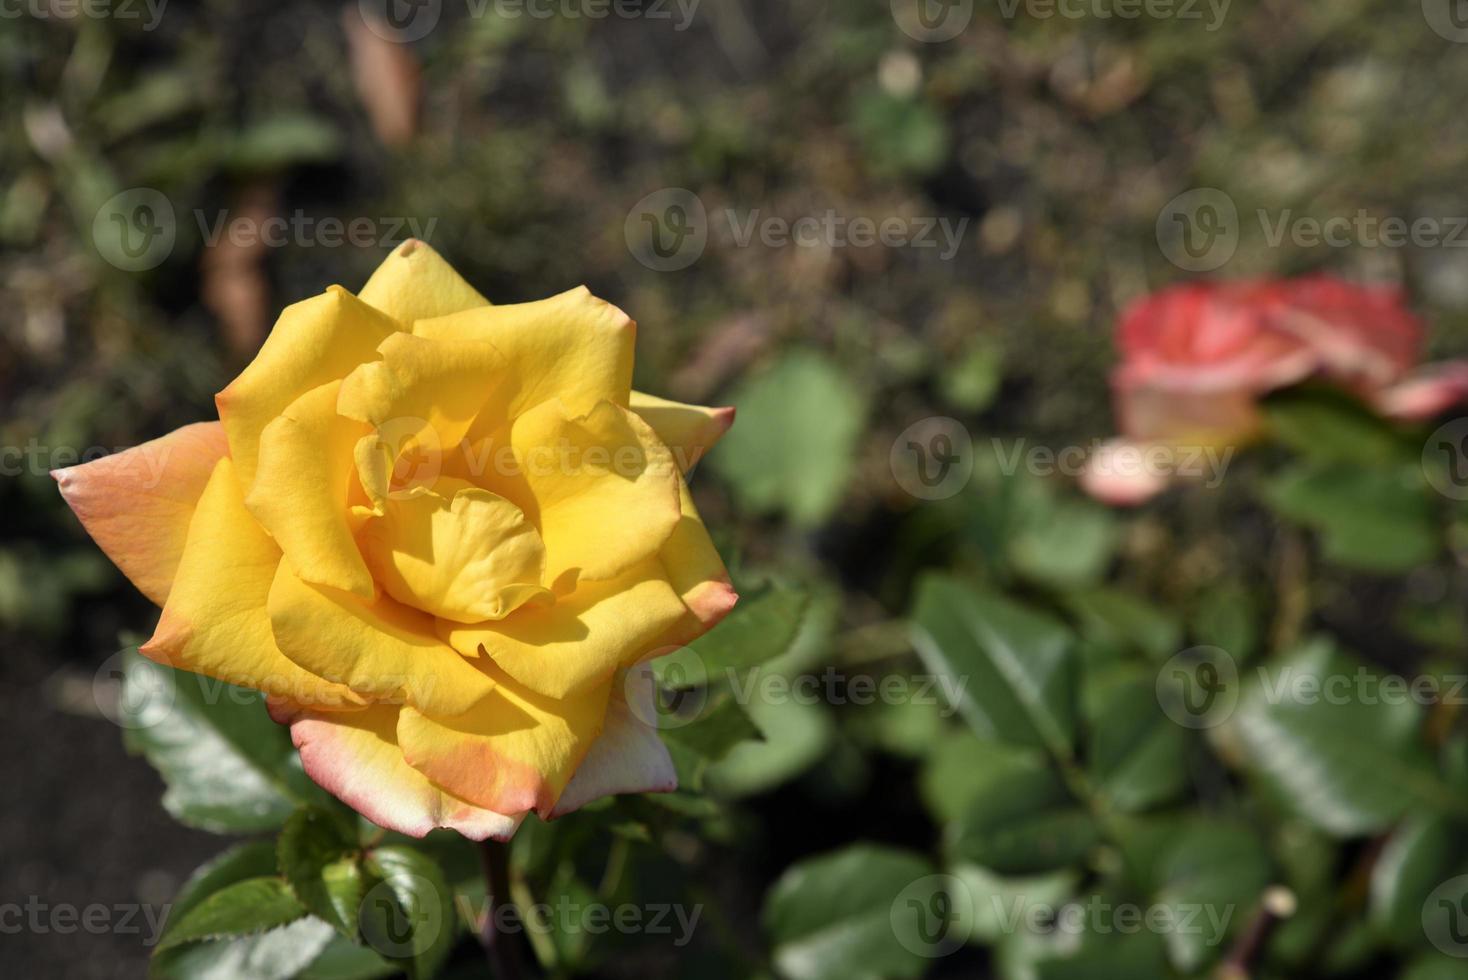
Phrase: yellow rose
{"type": "Point", "coordinates": [437, 533]}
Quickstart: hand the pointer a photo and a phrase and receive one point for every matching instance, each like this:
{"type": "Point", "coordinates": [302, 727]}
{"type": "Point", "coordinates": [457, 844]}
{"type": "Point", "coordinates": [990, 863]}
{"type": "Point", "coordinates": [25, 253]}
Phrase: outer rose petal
{"type": "Point", "coordinates": [516, 750]}
{"type": "Point", "coordinates": [382, 650]}
{"type": "Point", "coordinates": [1111, 480]}
{"type": "Point", "coordinates": [689, 431]}
{"type": "Point", "coordinates": [215, 622]}
{"type": "Point", "coordinates": [628, 757]}
{"type": "Point", "coordinates": [602, 488]}
{"type": "Point", "coordinates": [302, 487]}
{"type": "Point", "coordinates": [1425, 393]}
{"type": "Point", "coordinates": [1149, 413]}
{"type": "Point", "coordinates": [315, 341]}
{"type": "Point", "coordinates": [696, 572]}
{"type": "Point", "coordinates": [136, 504]}
{"type": "Point", "coordinates": [574, 347]}
{"type": "Point", "coordinates": [415, 283]}
{"type": "Point", "coordinates": [580, 641]}
{"type": "Point", "coordinates": [355, 756]}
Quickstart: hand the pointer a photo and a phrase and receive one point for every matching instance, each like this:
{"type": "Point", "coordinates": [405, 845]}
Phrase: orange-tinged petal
{"type": "Point", "coordinates": [574, 347]}
{"type": "Point", "coordinates": [515, 750]}
{"type": "Point", "coordinates": [602, 488]}
{"type": "Point", "coordinates": [696, 572]}
{"type": "Point", "coordinates": [317, 340]}
{"type": "Point", "coordinates": [628, 756]}
{"type": "Point", "coordinates": [136, 504]}
{"type": "Point", "coordinates": [302, 488]}
{"type": "Point", "coordinates": [578, 642]}
{"type": "Point", "coordinates": [690, 431]}
{"type": "Point", "coordinates": [215, 621]}
{"type": "Point", "coordinates": [415, 283]}
{"type": "Point", "coordinates": [355, 756]}
{"type": "Point", "coordinates": [380, 649]}
{"type": "Point", "coordinates": [456, 551]}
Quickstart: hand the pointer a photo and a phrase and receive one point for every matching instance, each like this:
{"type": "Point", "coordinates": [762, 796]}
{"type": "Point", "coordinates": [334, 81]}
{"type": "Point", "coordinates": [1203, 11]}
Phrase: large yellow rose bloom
{"type": "Point", "coordinates": [437, 533]}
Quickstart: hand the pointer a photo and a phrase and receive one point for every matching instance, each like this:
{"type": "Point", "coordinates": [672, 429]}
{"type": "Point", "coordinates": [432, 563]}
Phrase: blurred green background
{"type": "Point", "coordinates": [520, 146]}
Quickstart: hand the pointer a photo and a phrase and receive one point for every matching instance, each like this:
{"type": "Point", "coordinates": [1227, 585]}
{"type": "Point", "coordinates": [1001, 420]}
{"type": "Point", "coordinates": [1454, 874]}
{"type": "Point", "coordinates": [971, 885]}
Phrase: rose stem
{"type": "Point", "coordinates": [499, 948]}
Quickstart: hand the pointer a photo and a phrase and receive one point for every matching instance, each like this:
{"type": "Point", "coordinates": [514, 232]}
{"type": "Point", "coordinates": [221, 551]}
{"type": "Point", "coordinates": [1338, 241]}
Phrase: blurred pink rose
{"type": "Point", "coordinates": [1195, 360]}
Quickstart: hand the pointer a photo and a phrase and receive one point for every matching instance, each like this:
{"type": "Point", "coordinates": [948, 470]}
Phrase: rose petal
{"type": "Point", "coordinates": [628, 756]}
{"type": "Point", "coordinates": [136, 504]}
{"type": "Point", "coordinates": [214, 621]}
{"type": "Point", "coordinates": [355, 756]}
{"type": "Point", "coordinates": [689, 431]}
{"type": "Point", "coordinates": [416, 283]}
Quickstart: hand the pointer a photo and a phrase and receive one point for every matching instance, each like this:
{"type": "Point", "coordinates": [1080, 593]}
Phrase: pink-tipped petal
{"type": "Point", "coordinates": [1120, 475]}
{"type": "Point", "coordinates": [1426, 393]}
{"type": "Point", "coordinates": [628, 756]}
{"type": "Point", "coordinates": [136, 504]}
{"type": "Point", "coordinates": [355, 756]}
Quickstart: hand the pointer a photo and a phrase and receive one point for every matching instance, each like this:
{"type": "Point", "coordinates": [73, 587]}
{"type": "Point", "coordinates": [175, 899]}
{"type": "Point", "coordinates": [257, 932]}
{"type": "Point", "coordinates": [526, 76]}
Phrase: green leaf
{"type": "Point", "coordinates": [1015, 666]}
{"type": "Point", "coordinates": [227, 766]}
{"type": "Point", "coordinates": [1069, 548]}
{"type": "Point", "coordinates": [1374, 519]}
{"type": "Point", "coordinates": [1227, 617]}
{"type": "Point", "coordinates": [1002, 904]}
{"type": "Point", "coordinates": [408, 916]}
{"type": "Point", "coordinates": [251, 859]}
{"type": "Point", "coordinates": [759, 629]}
{"type": "Point", "coordinates": [343, 959]}
{"type": "Point", "coordinates": [1211, 874]}
{"type": "Point", "coordinates": [1137, 756]}
{"type": "Point", "coordinates": [796, 736]}
{"type": "Point", "coordinates": [1119, 621]}
{"type": "Point", "coordinates": [1332, 427]}
{"type": "Point", "coordinates": [1352, 764]}
{"type": "Point", "coordinates": [794, 447]}
{"type": "Point", "coordinates": [842, 916]}
{"type": "Point", "coordinates": [317, 859]}
{"type": "Point", "coordinates": [279, 954]}
{"type": "Point", "coordinates": [1423, 851]}
{"type": "Point", "coordinates": [243, 908]}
